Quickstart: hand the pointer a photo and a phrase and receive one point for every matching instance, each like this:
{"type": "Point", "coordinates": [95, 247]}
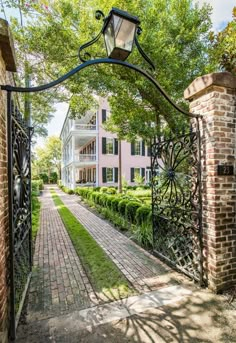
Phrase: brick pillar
{"type": "Point", "coordinates": [7, 63]}
{"type": "Point", "coordinates": [214, 96]}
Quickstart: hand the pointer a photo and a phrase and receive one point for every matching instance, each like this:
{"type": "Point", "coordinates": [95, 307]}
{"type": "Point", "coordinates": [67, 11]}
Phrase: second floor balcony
{"type": "Point", "coordinates": [81, 159]}
{"type": "Point", "coordinates": [85, 127]}
{"type": "Point", "coordinates": [85, 158]}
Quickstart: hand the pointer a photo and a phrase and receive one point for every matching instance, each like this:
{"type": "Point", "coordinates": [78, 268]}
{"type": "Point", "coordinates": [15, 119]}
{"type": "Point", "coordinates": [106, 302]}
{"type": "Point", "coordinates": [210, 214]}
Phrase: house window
{"type": "Point", "coordinates": [138, 148]}
{"type": "Point", "coordinates": [110, 174]}
{"type": "Point", "coordinates": [94, 174]}
{"type": "Point", "coordinates": [134, 172]}
{"type": "Point", "coordinates": [137, 172]}
{"type": "Point", "coordinates": [104, 115]}
{"type": "Point", "coordinates": [110, 145]}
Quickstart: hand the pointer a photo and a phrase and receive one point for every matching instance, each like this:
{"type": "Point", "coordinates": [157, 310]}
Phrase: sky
{"type": "Point", "coordinates": [221, 15]}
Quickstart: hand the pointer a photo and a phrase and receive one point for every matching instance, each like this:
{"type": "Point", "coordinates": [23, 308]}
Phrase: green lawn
{"type": "Point", "coordinates": [104, 275]}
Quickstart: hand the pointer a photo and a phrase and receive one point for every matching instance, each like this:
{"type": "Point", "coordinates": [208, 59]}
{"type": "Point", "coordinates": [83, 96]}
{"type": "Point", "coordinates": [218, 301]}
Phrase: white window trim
{"type": "Point", "coordinates": [113, 146]}
{"type": "Point", "coordinates": [140, 148]}
{"type": "Point", "coordinates": [113, 175]}
{"type": "Point", "coordinates": [140, 171]}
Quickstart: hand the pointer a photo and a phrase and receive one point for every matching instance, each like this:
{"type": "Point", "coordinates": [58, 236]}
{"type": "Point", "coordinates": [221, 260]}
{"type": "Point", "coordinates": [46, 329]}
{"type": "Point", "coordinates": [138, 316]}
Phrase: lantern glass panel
{"type": "Point", "coordinates": [109, 38]}
{"type": "Point", "coordinates": [124, 31]}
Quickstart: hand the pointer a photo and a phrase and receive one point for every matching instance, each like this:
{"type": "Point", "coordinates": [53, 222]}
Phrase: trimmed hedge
{"type": "Point", "coordinates": [102, 199]}
{"type": "Point", "coordinates": [67, 190]}
{"type": "Point", "coordinates": [36, 187]}
{"type": "Point", "coordinates": [141, 193]}
{"type": "Point", "coordinates": [127, 206]}
{"type": "Point", "coordinates": [130, 210]}
{"type": "Point", "coordinates": [122, 206]}
{"type": "Point", "coordinates": [110, 198]}
{"type": "Point", "coordinates": [114, 204]}
{"type": "Point", "coordinates": [143, 214]}
{"type": "Point", "coordinates": [111, 190]}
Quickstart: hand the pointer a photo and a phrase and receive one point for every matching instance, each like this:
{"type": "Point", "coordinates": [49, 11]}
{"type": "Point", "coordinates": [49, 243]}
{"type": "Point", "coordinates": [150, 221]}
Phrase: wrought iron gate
{"type": "Point", "coordinates": [176, 201]}
{"type": "Point", "coordinates": [19, 193]}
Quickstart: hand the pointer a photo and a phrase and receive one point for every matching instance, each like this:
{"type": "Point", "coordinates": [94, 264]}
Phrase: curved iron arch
{"type": "Point", "coordinates": [100, 61]}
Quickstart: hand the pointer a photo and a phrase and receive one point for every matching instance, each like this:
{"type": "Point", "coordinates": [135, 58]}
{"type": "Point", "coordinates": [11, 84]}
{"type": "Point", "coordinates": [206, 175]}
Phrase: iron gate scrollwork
{"type": "Point", "coordinates": [19, 189]}
{"type": "Point", "coordinates": [176, 201]}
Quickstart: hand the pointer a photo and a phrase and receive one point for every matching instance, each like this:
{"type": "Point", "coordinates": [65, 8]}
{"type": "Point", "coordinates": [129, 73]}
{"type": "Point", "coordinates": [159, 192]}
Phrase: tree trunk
{"type": "Point", "coordinates": [119, 168]}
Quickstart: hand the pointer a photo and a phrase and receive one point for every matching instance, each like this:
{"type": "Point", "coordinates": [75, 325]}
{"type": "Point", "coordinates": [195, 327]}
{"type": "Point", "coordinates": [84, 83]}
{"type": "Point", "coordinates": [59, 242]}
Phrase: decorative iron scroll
{"type": "Point", "coordinates": [20, 210]}
{"type": "Point", "coordinates": [176, 202]}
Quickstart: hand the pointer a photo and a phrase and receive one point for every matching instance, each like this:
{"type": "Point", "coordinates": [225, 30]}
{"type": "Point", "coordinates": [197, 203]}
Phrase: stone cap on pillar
{"type": "Point", "coordinates": [222, 79]}
{"type": "Point", "coordinates": [7, 46]}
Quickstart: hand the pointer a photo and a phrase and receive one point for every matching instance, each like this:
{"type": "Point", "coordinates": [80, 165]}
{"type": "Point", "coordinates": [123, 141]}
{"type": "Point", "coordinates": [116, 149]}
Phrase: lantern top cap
{"type": "Point", "coordinates": [122, 14]}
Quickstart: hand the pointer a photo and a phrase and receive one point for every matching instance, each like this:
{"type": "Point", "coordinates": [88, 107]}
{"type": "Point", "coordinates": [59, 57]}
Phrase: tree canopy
{"type": "Point", "coordinates": [224, 46]}
{"type": "Point", "coordinates": [175, 35]}
{"type": "Point", "coordinates": [47, 158]}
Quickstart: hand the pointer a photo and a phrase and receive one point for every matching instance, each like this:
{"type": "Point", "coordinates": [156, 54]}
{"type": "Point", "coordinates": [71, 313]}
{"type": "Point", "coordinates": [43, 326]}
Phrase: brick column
{"type": "Point", "coordinates": [7, 63]}
{"type": "Point", "coordinates": [214, 96]}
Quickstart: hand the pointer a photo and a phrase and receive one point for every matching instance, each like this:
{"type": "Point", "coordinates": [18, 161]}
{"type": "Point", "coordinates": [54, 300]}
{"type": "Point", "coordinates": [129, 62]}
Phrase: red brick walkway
{"type": "Point", "coordinates": [59, 283]}
{"type": "Point", "coordinates": [142, 269]}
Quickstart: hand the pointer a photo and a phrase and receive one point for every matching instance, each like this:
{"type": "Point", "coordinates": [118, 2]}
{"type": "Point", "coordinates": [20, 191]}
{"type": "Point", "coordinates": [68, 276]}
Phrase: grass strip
{"type": "Point", "coordinates": [104, 275]}
{"type": "Point", "coordinates": [36, 205]}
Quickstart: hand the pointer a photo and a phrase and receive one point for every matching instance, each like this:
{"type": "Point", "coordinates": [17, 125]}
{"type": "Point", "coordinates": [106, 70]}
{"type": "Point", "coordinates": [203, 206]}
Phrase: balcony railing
{"type": "Point", "coordinates": [86, 127]}
{"type": "Point", "coordinates": [85, 157]}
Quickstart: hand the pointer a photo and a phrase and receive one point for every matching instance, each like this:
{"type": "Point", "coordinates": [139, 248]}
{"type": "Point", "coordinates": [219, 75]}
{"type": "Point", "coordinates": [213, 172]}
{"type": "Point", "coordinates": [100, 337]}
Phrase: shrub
{"type": "Point", "coordinates": [130, 210]}
{"type": "Point", "coordinates": [35, 188]}
{"type": "Point", "coordinates": [53, 177]}
{"type": "Point", "coordinates": [115, 203]}
{"type": "Point", "coordinates": [131, 187]}
{"type": "Point", "coordinates": [103, 189]}
{"type": "Point", "coordinates": [44, 177]}
{"type": "Point", "coordinates": [143, 214]}
{"type": "Point", "coordinates": [139, 193]}
{"type": "Point", "coordinates": [77, 190]}
{"type": "Point", "coordinates": [97, 198]}
{"type": "Point", "coordinates": [82, 191]}
{"type": "Point", "coordinates": [122, 206]}
{"type": "Point", "coordinates": [67, 190]}
{"type": "Point", "coordinates": [40, 183]}
{"type": "Point", "coordinates": [148, 186]}
{"type": "Point", "coordinates": [96, 189]}
{"type": "Point", "coordinates": [103, 199]}
{"type": "Point", "coordinates": [111, 190]}
{"type": "Point", "coordinates": [139, 180]}
{"type": "Point", "coordinates": [93, 196]}
{"type": "Point", "coordinates": [35, 215]}
{"type": "Point", "coordinates": [109, 200]}
{"type": "Point", "coordinates": [144, 235]}
{"type": "Point", "coordinates": [89, 193]}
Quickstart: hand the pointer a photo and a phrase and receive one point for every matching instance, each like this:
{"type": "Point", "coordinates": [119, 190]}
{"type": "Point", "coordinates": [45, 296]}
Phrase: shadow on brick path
{"type": "Point", "coordinates": [144, 271]}
{"type": "Point", "coordinates": [59, 284]}
{"type": "Point", "coordinates": [62, 304]}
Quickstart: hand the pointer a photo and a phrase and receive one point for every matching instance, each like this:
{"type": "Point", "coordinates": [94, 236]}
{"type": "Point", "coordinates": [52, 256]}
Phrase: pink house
{"type": "Point", "coordinates": [90, 155]}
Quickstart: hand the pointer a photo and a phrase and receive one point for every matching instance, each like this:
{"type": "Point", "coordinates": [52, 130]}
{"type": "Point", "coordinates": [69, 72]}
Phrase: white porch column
{"type": "Point", "coordinates": [73, 148]}
{"type": "Point", "coordinates": [97, 145]}
{"type": "Point", "coordinates": [73, 176]}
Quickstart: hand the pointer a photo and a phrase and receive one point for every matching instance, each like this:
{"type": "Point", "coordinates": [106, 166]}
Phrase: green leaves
{"type": "Point", "coordinates": [175, 35]}
{"type": "Point", "coordinates": [224, 46]}
{"type": "Point", "coordinates": [48, 157]}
